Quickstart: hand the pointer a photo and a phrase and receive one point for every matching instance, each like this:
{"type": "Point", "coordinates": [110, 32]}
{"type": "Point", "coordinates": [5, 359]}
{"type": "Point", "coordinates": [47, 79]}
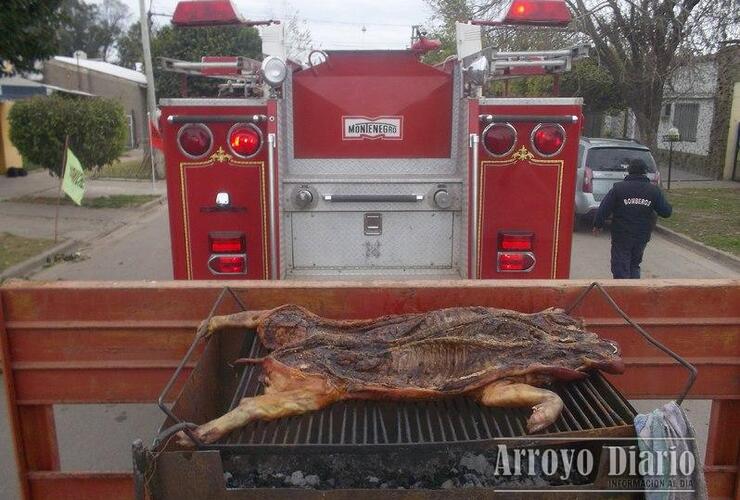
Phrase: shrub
{"type": "Point", "coordinates": [96, 128]}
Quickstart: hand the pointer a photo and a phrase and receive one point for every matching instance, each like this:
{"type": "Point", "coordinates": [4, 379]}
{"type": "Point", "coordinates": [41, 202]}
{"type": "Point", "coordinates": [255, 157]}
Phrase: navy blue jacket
{"type": "Point", "coordinates": [632, 204]}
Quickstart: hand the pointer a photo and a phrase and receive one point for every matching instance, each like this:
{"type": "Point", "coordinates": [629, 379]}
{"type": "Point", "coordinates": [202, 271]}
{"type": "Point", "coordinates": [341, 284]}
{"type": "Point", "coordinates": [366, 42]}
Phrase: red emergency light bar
{"type": "Point", "coordinates": [533, 12]}
{"type": "Point", "coordinates": [191, 13]}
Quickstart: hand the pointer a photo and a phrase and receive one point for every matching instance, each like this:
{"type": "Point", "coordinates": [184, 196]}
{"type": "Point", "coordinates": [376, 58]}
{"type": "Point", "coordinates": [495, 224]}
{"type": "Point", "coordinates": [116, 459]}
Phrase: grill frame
{"type": "Point", "coordinates": [213, 375]}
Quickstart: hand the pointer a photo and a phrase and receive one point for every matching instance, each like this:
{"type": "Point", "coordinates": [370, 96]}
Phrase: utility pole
{"type": "Point", "coordinates": [151, 98]}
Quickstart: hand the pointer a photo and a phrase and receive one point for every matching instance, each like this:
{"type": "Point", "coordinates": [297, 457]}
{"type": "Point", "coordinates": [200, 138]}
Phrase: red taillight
{"type": "Point", "coordinates": [228, 264]}
{"type": "Point", "coordinates": [543, 12]}
{"type": "Point", "coordinates": [245, 139]}
{"type": "Point", "coordinates": [588, 181]}
{"type": "Point", "coordinates": [515, 261]}
{"type": "Point", "coordinates": [521, 242]}
{"type": "Point", "coordinates": [548, 138]}
{"type": "Point", "coordinates": [227, 243]}
{"type": "Point", "coordinates": [499, 138]}
{"type": "Point", "coordinates": [195, 140]}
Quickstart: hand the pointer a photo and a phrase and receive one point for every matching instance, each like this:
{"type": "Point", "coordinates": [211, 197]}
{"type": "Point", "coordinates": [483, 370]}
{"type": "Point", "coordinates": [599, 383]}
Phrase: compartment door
{"type": "Point", "coordinates": [521, 194]}
{"type": "Point", "coordinates": [367, 240]}
{"type": "Point", "coordinates": [245, 184]}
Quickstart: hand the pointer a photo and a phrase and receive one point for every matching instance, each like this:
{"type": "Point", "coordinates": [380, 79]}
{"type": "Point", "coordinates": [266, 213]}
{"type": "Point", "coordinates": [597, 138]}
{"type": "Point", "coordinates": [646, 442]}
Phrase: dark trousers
{"type": "Point", "coordinates": [626, 256]}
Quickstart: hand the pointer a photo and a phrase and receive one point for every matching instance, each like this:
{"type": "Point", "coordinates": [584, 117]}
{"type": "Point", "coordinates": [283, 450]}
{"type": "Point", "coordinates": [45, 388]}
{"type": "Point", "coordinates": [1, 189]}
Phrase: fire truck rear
{"type": "Point", "coordinates": [372, 163]}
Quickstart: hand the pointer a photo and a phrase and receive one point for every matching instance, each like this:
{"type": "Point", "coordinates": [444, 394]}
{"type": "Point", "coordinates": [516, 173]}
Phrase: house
{"type": "Point", "coordinates": [702, 100]}
{"type": "Point", "coordinates": [128, 87]}
{"type": "Point", "coordinates": [13, 88]}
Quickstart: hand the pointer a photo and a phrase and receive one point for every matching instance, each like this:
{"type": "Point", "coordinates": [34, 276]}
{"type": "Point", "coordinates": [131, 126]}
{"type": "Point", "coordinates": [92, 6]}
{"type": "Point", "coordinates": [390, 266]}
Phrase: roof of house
{"type": "Point", "coordinates": [17, 87]}
{"type": "Point", "coordinates": [18, 81]}
{"type": "Point", "coordinates": [104, 67]}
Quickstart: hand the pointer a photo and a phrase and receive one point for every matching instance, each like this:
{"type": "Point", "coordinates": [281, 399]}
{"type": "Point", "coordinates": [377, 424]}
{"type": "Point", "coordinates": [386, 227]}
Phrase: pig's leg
{"type": "Point", "coordinates": [546, 405]}
{"type": "Point", "coordinates": [245, 319]}
{"type": "Point", "coordinates": [265, 407]}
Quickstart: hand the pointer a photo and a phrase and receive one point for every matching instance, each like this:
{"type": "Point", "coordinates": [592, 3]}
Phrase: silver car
{"type": "Point", "coordinates": [601, 163]}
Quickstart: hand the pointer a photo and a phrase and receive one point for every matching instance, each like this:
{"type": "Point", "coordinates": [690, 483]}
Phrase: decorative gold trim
{"type": "Point", "coordinates": [522, 154]}
{"type": "Point", "coordinates": [220, 156]}
{"type": "Point", "coordinates": [519, 155]}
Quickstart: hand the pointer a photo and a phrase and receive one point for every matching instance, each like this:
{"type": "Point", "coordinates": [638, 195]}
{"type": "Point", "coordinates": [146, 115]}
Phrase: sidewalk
{"type": "Point", "coordinates": [40, 183]}
{"type": "Point", "coordinates": [685, 179]}
{"type": "Point", "coordinates": [81, 224]}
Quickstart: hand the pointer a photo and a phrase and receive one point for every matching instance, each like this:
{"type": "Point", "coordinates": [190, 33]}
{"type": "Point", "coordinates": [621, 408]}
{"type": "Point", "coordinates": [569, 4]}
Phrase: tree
{"type": "Point", "coordinates": [588, 79]}
{"type": "Point", "coordinates": [27, 33]}
{"type": "Point", "coordinates": [96, 128]}
{"type": "Point", "coordinates": [113, 16]}
{"type": "Point", "coordinates": [190, 44]}
{"type": "Point", "coordinates": [595, 84]}
{"type": "Point", "coordinates": [639, 44]}
{"type": "Point", "coordinates": [91, 28]}
{"type": "Point", "coordinates": [298, 38]}
{"type": "Point", "coordinates": [130, 51]}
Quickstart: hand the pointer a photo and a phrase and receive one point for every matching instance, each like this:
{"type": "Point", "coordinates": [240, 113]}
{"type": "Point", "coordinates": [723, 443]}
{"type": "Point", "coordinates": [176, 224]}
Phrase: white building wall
{"type": "Point", "coordinates": [699, 79]}
{"type": "Point", "coordinates": [614, 126]}
{"type": "Point", "coordinates": [703, 128]}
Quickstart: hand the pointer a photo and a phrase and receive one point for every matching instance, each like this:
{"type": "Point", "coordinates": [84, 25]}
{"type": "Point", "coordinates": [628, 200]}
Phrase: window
{"type": "Point", "coordinates": [131, 133]}
{"type": "Point", "coordinates": [686, 119]}
{"type": "Point", "coordinates": [666, 110]}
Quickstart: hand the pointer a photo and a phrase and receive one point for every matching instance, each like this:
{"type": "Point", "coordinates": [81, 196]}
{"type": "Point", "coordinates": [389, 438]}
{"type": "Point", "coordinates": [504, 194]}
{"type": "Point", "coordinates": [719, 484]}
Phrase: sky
{"type": "Point", "coordinates": [334, 24]}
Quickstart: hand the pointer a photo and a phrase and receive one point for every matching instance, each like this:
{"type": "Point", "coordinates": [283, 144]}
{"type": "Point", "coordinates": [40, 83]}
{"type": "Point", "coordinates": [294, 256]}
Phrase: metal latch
{"type": "Point", "coordinates": [373, 224]}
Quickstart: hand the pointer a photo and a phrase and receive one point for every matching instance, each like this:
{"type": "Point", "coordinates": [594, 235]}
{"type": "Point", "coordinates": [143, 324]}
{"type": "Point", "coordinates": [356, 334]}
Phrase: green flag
{"type": "Point", "coordinates": [74, 178]}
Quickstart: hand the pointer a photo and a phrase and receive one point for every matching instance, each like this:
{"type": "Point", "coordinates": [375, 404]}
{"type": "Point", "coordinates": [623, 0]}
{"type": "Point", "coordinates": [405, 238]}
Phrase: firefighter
{"type": "Point", "coordinates": [632, 204]}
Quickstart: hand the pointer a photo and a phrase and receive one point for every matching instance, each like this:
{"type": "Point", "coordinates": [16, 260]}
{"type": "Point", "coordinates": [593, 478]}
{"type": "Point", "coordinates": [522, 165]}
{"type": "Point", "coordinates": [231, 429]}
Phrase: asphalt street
{"type": "Point", "coordinates": [99, 437]}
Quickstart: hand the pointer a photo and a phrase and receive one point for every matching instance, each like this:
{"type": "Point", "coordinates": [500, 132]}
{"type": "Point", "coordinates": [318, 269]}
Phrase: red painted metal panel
{"type": "Point", "coordinates": [413, 97]}
{"type": "Point", "coordinates": [43, 385]}
{"type": "Point", "coordinates": [79, 342]}
{"type": "Point", "coordinates": [192, 186]}
{"type": "Point", "coordinates": [8, 378]}
{"type": "Point", "coordinates": [723, 449]}
{"type": "Point", "coordinates": [524, 191]}
{"type": "Point", "coordinates": [188, 302]}
{"type": "Point", "coordinates": [38, 432]}
{"type": "Point", "coordinates": [722, 482]}
{"type": "Point", "coordinates": [81, 485]}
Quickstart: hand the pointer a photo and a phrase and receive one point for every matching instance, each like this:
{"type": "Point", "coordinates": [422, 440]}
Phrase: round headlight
{"type": "Point", "coordinates": [274, 71]}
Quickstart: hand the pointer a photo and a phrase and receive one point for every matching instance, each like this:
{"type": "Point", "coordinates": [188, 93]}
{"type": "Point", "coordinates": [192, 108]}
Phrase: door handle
{"type": "Point", "coordinates": [373, 198]}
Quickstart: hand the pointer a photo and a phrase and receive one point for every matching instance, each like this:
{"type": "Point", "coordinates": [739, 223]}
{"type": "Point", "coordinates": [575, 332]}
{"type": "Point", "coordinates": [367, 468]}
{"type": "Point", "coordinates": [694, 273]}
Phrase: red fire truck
{"type": "Point", "coordinates": [371, 163]}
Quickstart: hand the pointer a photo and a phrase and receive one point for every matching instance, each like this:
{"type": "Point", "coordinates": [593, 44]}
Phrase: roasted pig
{"type": "Point", "coordinates": [498, 357]}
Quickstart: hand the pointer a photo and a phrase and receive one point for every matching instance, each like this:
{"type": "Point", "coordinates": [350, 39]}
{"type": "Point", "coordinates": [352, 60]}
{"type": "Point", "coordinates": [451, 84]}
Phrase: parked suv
{"type": "Point", "coordinates": [601, 163]}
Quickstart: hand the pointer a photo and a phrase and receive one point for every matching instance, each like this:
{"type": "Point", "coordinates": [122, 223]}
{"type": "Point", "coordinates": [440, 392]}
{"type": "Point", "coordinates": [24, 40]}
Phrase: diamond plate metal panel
{"type": "Point", "coordinates": [337, 240]}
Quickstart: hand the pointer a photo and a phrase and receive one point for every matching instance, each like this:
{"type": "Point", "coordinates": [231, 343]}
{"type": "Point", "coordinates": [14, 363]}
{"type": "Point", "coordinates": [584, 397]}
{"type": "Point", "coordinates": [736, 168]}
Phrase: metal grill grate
{"type": "Point", "coordinates": [590, 405]}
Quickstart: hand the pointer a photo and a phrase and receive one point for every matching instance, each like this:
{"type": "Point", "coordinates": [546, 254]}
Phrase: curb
{"type": "Point", "coordinates": [723, 257]}
{"type": "Point", "coordinates": [149, 204]}
{"type": "Point", "coordinates": [27, 266]}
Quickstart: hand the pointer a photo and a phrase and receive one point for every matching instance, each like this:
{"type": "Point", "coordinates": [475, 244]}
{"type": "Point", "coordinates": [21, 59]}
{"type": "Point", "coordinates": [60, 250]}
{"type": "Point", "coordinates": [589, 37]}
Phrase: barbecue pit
{"type": "Point", "coordinates": [362, 446]}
